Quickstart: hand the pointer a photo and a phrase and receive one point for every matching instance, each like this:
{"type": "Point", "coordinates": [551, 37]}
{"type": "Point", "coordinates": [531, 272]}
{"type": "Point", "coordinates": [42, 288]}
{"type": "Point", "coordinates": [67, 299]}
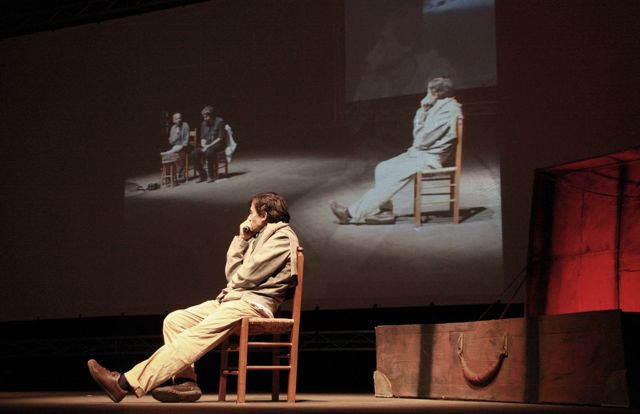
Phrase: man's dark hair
{"type": "Point", "coordinates": [273, 204]}
{"type": "Point", "coordinates": [443, 86]}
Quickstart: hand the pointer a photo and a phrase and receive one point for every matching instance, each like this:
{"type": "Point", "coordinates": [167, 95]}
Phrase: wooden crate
{"type": "Point", "coordinates": [572, 359]}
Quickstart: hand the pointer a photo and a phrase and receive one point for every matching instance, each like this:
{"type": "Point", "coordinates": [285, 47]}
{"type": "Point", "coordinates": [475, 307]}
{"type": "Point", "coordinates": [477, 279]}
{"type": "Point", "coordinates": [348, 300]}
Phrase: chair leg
{"type": "Point", "coordinates": [224, 365]}
{"type": "Point", "coordinates": [275, 374]}
{"type": "Point", "coordinates": [417, 199]}
{"type": "Point", "coordinates": [293, 373]}
{"type": "Point", "coordinates": [215, 168]}
{"type": "Point", "coordinates": [242, 361]}
{"type": "Point", "coordinates": [185, 168]}
{"type": "Point", "coordinates": [456, 211]}
{"type": "Point", "coordinates": [455, 204]}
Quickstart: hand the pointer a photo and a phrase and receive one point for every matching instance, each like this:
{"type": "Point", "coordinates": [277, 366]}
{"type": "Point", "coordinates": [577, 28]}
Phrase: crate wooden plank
{"type": "Point", "coordinates": [572, 359]}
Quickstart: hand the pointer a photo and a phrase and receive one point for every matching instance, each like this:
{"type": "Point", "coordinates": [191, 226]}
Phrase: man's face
{"type": "Point", "coordinates": [177, 118]}
{"type": "Point", "coordinates": [257, 220]}
{"type": "Point", "coordinates": [206, 117]}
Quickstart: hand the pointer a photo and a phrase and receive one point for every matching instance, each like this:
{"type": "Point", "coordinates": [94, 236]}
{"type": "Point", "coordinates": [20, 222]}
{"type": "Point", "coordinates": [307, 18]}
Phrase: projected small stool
{"type": "Point", "coordinates": [169, 176]}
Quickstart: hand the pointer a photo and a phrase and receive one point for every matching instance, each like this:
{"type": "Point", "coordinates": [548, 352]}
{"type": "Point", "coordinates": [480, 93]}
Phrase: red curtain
{"type": "Point", "coordinates": [584, 247]}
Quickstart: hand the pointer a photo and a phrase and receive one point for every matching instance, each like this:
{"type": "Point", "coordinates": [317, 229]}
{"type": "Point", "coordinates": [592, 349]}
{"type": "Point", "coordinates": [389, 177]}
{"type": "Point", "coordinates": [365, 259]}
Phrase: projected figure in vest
{"type": "Point", "coordinates": [434, 135]}
{"type": "Point", "coordinates": [212, 141]}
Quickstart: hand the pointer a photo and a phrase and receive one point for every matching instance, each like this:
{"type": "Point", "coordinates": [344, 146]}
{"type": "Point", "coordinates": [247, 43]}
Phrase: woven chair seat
{"type": "Point", "coordinates": [169, 158]}
{"type": "Point", "coordinates": [258, 326]}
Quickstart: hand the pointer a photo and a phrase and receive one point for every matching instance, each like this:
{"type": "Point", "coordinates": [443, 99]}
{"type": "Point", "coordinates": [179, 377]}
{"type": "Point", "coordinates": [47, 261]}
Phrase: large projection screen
{"type": "Point", "coordinates": [301, 117]}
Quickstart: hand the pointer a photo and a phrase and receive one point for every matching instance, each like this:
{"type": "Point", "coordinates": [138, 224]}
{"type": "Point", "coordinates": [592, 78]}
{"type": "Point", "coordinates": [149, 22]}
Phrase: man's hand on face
{"type": "Point", "coordinates": [427, 102]}
{"type": "Point", "coordinates": [253, 224]}
{"type": "Point", "coordinates": [246, 232]}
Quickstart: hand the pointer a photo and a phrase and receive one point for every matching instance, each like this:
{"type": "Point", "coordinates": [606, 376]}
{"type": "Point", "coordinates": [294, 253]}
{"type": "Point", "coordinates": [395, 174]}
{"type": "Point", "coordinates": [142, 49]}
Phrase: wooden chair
{"type": "Point", "coordinates": [221, 158]}
{"type": "Point", "coordinates": [250, 327]}
{"type": "Point", "coordinates": [442, 182]}
{"type": "Point", "coordinates": [221, 163]}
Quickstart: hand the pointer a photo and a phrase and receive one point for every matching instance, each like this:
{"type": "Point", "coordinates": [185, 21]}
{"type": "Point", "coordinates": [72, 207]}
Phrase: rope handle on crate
{"type": "Point", "coordinates": [484, 379]}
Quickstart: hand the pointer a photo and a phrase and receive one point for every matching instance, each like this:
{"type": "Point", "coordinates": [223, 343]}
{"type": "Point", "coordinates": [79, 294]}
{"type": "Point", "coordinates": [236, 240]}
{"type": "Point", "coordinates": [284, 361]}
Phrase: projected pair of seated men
{"type": "Point", "coordinates": [213, 139]}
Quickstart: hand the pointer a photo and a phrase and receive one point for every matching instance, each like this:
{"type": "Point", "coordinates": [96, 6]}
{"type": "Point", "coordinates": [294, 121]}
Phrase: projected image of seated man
{"type": "Point", "coordinates": [212, 141]}
{"type": "Point", "coordinates": [178, 139]}
{"type": "Point", "coordinates": [260, 266]}
{"type": "Point", "coordinates": [434, 136]}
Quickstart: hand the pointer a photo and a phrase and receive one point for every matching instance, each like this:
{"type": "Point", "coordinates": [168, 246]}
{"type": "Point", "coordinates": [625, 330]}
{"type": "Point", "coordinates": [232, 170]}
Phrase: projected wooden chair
{"type": "Point", "coordinates": [221, 156]}
{"type": "Point", "coordinates": [439, 183]}
{"type": "Point", "coordinates": [261, 327]}
{"type": "Point", "coordinates": [221, 163]}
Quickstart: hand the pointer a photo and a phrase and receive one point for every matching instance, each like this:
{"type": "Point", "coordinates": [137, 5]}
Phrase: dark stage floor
{"type": "Point", "coordinates": [36, 402]}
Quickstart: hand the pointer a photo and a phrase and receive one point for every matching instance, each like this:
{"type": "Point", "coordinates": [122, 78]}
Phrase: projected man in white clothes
{"type": "Point", "coordinates": [178, 135]}
{"type": "Point", "coordinates": [260, 272]}
{"type": "Point", "coordinates": [434, 135]}
{"type": "Point", "coordinates": [178, 139]}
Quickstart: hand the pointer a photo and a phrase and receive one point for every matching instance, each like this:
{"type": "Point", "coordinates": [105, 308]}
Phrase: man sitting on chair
{"type": "Point", "coordinates": [178, 139]}
{"type": "Point", "coordinates": [260, 268]}
{"type": "Point", "coordinates": [434, 135]}
{"type": "Point", "coordinates": [212, 140]}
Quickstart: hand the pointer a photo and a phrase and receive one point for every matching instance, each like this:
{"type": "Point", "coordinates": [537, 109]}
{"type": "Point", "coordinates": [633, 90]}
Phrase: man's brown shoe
{"type": "Point", "coordinates": [341, 212]}
{"type": "Point", "coordinates": [107, 380]}
{"type": "Point", "coordinates": [186, 392]}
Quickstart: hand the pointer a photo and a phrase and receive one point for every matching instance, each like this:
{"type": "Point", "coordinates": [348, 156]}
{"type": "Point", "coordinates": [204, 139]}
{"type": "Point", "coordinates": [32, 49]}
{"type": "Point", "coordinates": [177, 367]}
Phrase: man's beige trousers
{"type": "Point", "coordinates": [188, 335]}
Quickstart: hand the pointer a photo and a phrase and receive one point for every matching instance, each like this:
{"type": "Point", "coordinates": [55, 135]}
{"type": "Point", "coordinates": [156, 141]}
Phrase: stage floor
{"type": "Point", "coordinates": [76, 402]}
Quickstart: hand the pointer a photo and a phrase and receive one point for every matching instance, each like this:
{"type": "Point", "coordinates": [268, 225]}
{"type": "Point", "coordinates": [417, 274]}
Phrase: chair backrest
{"type": "Point", "coordinates": [296, 307]}
{"type": "Point", "coordinates": [193, 138]}
{"type": "Point", "coordinates": [459, 134]}
{"type": "Point", "coordinates": [225, 137]}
